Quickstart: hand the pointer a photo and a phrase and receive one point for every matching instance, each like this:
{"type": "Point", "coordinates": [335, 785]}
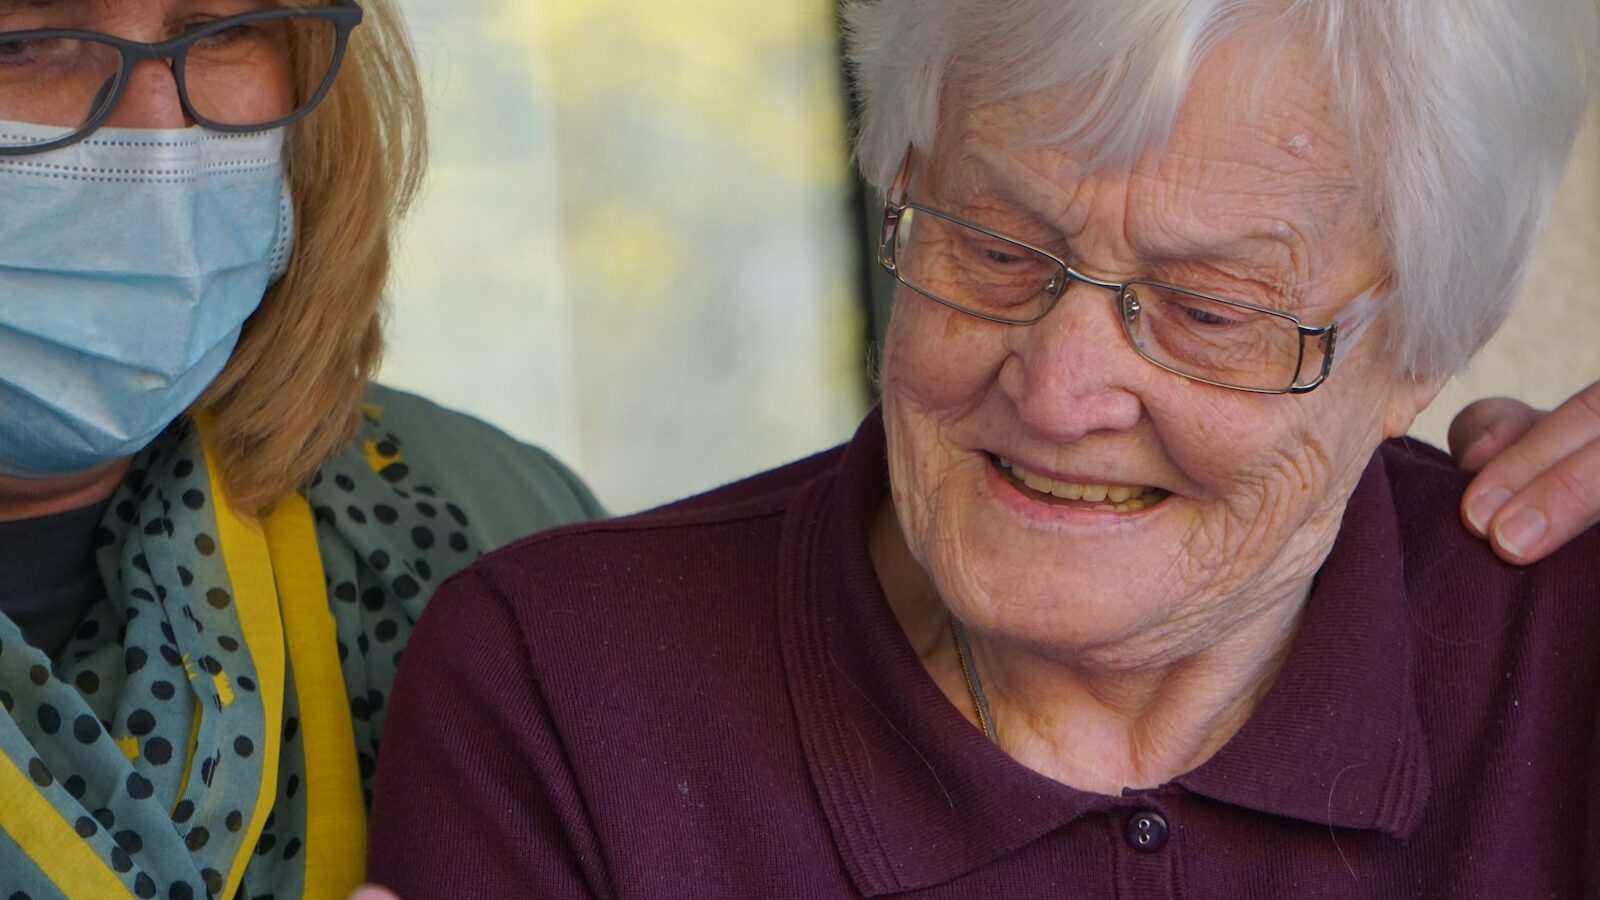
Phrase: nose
{"type": "Point", "coordinates": [150, 99]}
{"type": "Point", "coordinates": [1072, 373]}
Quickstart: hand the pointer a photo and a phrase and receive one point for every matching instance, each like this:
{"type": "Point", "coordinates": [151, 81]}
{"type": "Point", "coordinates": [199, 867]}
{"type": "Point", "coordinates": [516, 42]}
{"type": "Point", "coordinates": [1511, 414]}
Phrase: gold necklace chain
{"type": "Point", "coordinates": [980, 703]}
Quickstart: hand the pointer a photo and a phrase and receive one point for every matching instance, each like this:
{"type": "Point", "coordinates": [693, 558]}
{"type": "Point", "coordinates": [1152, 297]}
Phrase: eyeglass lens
{"type": "Point", "coordinates": [254, 73]}
{"type": "Point", "coordinates": [1216, 341]}
{"type": "Point", "coordinates": [987, 275]}
{"type": "Point", "coordinates": [1186, 332]}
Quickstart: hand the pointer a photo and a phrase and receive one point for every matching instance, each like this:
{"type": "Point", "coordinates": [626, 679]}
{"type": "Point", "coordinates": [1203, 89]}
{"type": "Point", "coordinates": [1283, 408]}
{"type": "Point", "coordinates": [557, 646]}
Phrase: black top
{"type": "Point", "coordinates": [48, 578]}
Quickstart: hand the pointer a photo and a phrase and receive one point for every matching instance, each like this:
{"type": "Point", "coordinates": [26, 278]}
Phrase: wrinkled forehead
{"type": "Point", "coordinates": [1257, 97]}
{"type": "Point", "coordinates": [1257, 175]}
{"type": "Point", "coordinates": [1255, 130]}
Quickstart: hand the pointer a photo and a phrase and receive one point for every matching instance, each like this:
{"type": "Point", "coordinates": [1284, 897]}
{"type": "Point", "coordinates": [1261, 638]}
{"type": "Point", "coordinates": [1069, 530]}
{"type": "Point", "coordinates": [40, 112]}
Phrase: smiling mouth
{"type": "Point", "coordinates": [1120, 498]}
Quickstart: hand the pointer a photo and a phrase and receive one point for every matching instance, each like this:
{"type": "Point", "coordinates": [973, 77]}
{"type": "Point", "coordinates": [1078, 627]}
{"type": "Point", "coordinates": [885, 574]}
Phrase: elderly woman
{"type": "Point", "coordinates": [1123, 591]}
{"type": "Point", "coordinates": [198, 200]}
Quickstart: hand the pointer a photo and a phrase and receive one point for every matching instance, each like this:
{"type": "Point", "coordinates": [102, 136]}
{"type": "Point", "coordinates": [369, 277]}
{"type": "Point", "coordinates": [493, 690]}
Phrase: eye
{"type": "Point", "coordinates": [1003, 257]}
{"type": "Point", "coordinates": [24, 52]}
{"type": "Point", "coordinates": [997, 254]}
{"type": "Point", "coordinates": [1206, 316]}
{"type": "Point", "coordinates": [227, 37]}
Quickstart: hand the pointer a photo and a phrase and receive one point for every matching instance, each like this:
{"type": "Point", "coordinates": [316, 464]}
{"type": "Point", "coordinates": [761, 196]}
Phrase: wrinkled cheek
{"type": "Point", "coordinates": [1274, 498]}
{"type": "Point", "coordinates": [933, 483]}
{"type": "Point", "coordinates": [935, 510]}
{"type": "Point", "coordinates": [936, 370]}
{"type": "Point", "coordinates": [917, 457]}
{"type": "Point", "coordinates": [937, 358]}
{"type": "Point", "coordinates": [1238, 447]}
{"type": "Point", "coordinates": [1256, 468]}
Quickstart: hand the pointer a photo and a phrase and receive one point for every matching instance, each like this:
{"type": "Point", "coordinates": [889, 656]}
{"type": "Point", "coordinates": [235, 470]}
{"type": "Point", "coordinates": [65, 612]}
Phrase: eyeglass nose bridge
{"type": "Point", "coordinates": [114, 92]}
{"type": "Point", "coordinates": [175, 54]}
{"type": "Point", "coordinates": [1061, 282]}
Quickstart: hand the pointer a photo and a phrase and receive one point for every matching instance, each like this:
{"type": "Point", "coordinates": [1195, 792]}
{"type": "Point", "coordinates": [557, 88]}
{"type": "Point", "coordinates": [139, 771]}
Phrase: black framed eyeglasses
{"type": "Point", "coordinates": [65, 83]}
{"type": "Point", "coordinates": [1215, 340]}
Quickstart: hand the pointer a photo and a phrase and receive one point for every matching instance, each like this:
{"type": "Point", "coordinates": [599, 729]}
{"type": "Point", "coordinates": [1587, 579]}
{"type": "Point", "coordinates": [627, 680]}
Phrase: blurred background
{"type": "Point", "coordinates": [643, 248]}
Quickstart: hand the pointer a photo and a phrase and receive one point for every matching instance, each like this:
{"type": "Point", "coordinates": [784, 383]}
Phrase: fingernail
{"type": "Point", "coordinates": [1518, 534]}
{"type": "Point", "coordinates": [1466, 452]}
{"type": "Point", "coordinates": [1483, 507]}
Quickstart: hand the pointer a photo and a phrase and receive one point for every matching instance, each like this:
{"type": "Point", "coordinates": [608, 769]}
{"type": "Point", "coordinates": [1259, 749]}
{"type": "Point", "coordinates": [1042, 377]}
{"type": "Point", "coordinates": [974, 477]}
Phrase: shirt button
{"type": "Point", "coordinates": [1147, 831]}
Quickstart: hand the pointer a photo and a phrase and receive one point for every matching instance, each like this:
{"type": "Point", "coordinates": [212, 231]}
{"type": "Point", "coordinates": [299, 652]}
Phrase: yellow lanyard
{"type": "Point", "coordinates": [275, 568]}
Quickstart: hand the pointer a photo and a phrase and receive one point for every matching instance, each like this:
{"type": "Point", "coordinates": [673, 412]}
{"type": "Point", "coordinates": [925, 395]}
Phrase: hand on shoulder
{"type": "Point", "coordinates": [1538, 473]}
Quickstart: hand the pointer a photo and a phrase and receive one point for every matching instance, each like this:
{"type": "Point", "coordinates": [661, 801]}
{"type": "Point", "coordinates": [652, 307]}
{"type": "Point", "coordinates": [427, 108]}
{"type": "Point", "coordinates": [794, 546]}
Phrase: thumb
{"type": "Point", "coordinates": [1484, 429]}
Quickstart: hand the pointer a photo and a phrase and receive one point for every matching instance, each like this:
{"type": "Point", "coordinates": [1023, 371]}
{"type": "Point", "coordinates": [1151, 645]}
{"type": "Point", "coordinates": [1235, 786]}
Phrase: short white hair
{"type": "Point", "coordinates": [1472, 107]}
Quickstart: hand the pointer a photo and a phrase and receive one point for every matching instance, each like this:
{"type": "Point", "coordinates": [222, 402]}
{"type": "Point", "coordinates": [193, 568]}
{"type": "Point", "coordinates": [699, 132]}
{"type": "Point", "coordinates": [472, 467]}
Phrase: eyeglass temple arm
{"type": "Point", "coordinates": [1340, 336]}
{"type": "Point", "coordinates": [894, 208]}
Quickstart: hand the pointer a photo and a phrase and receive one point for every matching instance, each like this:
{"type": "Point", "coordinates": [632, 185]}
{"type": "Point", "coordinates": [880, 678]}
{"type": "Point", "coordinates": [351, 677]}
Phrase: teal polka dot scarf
{"type": "Point", "coordinates": [211, 730]}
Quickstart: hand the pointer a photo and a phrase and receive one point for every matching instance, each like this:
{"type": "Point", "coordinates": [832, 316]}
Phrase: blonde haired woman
{"type": "Point", "coordinates": [197, 228]}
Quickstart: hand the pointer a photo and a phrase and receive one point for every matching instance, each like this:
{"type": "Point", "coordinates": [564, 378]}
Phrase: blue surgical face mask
{"type": "Point", "coordinates": [128, 264]}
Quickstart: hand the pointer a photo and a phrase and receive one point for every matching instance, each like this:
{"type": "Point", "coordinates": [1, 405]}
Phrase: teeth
{"type": "Point", "coordinates": [1037, 482]}
{"type": "Point", "coordinates": [1067, 490]}
{"type": "Point", "coordinates": [1118, 498]}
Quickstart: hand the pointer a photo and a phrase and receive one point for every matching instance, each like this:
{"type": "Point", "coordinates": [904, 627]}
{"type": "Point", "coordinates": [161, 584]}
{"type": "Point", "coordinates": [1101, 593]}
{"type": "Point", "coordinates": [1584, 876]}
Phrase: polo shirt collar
{"type": "Point", "coordinates": [1337, 740]}
{"type": "Point", "coordinates": [916, 796]}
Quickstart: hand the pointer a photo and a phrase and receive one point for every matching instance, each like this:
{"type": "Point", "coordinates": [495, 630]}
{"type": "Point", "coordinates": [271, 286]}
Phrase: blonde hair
{"type": "Point", "coordinates": [290, 397]}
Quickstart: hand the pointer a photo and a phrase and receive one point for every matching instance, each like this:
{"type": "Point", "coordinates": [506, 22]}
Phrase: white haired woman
{"type": "Point", "coordinates": [1132, 586]}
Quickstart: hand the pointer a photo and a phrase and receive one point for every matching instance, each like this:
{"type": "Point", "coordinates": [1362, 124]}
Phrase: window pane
{"type": "Point", "coordinates": [637, 247]}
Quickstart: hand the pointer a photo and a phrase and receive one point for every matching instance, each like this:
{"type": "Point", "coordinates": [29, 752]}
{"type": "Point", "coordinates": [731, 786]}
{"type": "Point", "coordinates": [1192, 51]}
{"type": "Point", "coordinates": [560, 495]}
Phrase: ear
{"type": "Point", "coordinates": [1408, 397]}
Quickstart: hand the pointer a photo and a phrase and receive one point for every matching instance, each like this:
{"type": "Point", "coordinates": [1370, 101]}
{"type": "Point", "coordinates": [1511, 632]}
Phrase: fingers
{"type": "Point", "coordinates": [1544, 489]}
{"type": "Point", "coordinates": [1486, 428]}
{"type": "Point", "coordinates": [1552, 510]}
{"type": "Point", "coordinates": [372, 892]}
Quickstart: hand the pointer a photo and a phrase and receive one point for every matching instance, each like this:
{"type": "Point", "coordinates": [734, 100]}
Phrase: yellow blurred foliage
{"type": "Point", "coordinates": [706, 61]}
{"type": "Point", "coordinates": [639, 222]}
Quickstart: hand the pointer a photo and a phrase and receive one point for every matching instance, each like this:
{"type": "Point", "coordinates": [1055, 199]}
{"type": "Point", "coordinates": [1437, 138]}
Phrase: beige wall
{"type": "Point", "coordinates": [1551, 345]}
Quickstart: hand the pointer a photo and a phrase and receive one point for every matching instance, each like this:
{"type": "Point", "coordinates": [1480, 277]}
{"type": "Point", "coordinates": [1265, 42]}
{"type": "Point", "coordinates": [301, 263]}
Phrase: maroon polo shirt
{"type": "Point", "coordinates": [714, 700]}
